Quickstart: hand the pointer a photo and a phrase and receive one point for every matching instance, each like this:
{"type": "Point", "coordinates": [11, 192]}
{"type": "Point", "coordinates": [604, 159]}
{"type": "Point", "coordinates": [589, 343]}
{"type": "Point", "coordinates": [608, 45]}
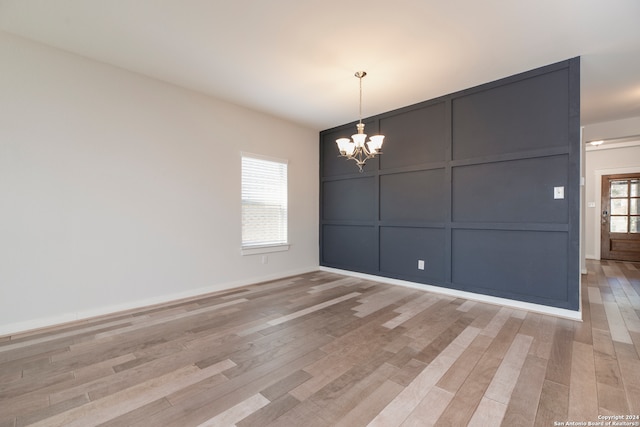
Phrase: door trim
{"type": "Point", "coordinates": [598, 200]}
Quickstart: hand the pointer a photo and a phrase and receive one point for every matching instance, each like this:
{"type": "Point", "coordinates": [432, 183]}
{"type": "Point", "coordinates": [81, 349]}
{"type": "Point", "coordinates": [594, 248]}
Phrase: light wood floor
{"type": "Point", "coordinates": [325, 350]}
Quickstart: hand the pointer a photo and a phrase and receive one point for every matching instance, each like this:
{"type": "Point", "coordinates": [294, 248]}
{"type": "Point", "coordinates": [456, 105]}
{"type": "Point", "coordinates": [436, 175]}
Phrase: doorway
{"type": "Point", "coordinates": [620, 217]}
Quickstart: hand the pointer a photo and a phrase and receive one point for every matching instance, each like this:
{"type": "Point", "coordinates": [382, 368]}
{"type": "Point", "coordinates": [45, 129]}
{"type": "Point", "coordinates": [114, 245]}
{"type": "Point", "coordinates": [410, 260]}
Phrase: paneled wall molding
{"type": "Point", "coordinates": [463, 195]}
{"type": "Point", "coordinates": [532, 226]}
{"type": "Point", "coordinates": [546, 152]}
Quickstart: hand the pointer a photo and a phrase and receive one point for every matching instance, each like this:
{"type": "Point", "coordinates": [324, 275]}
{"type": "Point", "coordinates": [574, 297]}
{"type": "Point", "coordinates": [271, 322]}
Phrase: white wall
{"type": "Point", "coordinates": [607, 159]}
{"type": "Point", "coordinates": [622, 128]}
{"type": "Point", "coordinates": [117, 190]}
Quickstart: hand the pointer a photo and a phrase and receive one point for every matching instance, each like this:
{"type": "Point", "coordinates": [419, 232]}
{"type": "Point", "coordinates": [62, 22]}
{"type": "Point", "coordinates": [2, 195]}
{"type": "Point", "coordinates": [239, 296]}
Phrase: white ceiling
{"type": "Point", "coordinates": [296, 58]}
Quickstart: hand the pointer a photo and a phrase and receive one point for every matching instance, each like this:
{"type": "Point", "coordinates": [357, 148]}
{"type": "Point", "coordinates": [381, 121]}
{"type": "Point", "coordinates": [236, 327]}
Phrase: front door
{"type": "Point", "coordinates": [620, 231]}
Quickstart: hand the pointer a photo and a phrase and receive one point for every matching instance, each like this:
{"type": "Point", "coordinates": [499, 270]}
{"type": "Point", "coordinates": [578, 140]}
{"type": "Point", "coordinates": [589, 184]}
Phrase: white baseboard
{"type": "Point", "coordinates": [536, 308]}
{"type": "Point", "coordinates": [45, 322]}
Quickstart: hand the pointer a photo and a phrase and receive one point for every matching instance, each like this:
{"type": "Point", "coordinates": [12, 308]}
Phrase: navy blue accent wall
{"type": "Point", "coordinates": [466, 184]}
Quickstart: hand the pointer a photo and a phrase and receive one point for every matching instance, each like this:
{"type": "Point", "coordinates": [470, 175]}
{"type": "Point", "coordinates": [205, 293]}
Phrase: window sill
{"type": "Point", "coordinates": [254, 250]}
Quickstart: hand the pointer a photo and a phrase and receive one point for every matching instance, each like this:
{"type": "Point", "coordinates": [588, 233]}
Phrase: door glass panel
{"type": "Point", "coordinates": [619, 207]}
{"type": "Point", "coordinates": [635, 204]}
{"type": "Point", "coordinates": [619, 188]}
{"type": "Point", "coordinates": [635, 187]}
{"type": "Point", "coordinates": [618, 224]}
{"type": "Point", "coordinates": [634, 224]}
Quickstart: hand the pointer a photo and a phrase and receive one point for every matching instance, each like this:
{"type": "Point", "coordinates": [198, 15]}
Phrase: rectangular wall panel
{"type": "Point", "coordinates": [529, 114]}
{"type": "Point", "coordinates": [526, 265]}
{"type": "Point", "coordinates": [349, 199]}
{"type": "Point", "coordinates": [511, 191]}
{"type": "Point", "coordinates": [413, 196]}
{"type": "Point", "coordinates": [402, 247]}
{"type": "Point", "coordinates": [351, 247]}
{"type": "Point", "coordinates": [418, 136]}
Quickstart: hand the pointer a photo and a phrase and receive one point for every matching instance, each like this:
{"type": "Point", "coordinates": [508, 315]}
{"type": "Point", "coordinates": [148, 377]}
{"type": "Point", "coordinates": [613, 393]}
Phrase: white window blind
{"type": "Point", "coordinates": [264, 202]}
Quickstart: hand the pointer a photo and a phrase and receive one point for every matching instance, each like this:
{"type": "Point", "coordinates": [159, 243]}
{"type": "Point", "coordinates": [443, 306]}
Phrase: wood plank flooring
{"type": "Point", "coordinates": [327, 350]}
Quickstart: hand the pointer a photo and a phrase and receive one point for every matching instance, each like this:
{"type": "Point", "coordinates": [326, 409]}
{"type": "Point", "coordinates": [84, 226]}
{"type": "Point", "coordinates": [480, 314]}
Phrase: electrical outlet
{"type": "Point", "coordinates": [420, 264]}
{"type": "Point", "coordinates": [558, 192]}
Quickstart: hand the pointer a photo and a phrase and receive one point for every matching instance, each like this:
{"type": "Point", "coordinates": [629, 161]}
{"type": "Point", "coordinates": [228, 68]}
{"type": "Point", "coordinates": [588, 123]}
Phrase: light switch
{"type": "Point", "coordinates": [558, 192]}
{"type": "Point", "coordinates": [420, 264]}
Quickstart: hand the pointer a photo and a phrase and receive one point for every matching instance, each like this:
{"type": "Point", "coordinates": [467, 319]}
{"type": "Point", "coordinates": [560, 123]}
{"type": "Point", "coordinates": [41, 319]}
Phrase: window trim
{"type": "Point", "coordinates": [266, 249]}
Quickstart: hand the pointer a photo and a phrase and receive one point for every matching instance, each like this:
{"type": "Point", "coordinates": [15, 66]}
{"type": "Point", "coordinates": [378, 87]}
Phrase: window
{"type": "Point", "coordinates": [625, 206]}
{"type": "Point", "coordinates": [264, 204]}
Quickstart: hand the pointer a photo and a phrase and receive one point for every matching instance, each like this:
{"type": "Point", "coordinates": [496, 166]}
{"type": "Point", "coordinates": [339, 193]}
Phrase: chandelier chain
{"type": "Point", "coordinates": [360, 109]}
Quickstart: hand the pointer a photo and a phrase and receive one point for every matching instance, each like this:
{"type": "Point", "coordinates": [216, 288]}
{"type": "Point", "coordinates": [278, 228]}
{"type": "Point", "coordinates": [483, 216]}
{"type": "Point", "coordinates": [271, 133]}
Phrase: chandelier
{"type": "Point", "coordinates": [357, 150]}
